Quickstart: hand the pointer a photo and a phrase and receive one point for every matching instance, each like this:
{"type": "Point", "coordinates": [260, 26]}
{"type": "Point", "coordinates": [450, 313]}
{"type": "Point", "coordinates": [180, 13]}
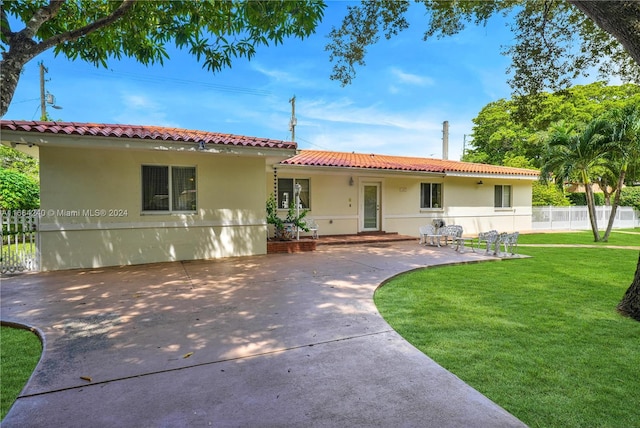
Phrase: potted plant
{"type": "Point", "coordinates": [285, 230]}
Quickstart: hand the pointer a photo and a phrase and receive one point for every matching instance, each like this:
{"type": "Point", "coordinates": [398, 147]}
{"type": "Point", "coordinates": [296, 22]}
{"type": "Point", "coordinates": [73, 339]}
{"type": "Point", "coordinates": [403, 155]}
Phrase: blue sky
{"type": "Point", "coordinates": [396, 104]}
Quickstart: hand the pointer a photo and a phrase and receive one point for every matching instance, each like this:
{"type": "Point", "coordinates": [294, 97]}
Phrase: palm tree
{"type": "Point", "coordinates": [573, 155]}
{"type": "Point", "coordinates": [624, 148]}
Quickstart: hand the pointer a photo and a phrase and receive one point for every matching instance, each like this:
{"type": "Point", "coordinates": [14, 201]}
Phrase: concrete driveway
{"type": "Point", "coordinates": [285, 340]}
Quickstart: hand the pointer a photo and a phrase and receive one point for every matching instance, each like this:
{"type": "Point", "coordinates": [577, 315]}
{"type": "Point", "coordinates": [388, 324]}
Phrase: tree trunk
{"type": "Point", "coordinates": [10, 71]}
{"type": "Point", "coordinates": [621, 19]}
{"type": "Point", "coordinates": [615, 205]}
{"type": "Point", "coordinates": [22, 47]}
{"type": "Point", "coordinates": [629, 306]}
{"type": "Point", "coordinates": [591, 207]}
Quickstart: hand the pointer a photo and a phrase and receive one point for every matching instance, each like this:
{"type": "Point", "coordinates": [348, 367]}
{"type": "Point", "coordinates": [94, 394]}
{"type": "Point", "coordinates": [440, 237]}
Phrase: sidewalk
{"type": "Point", "coordinates": [285, 340]}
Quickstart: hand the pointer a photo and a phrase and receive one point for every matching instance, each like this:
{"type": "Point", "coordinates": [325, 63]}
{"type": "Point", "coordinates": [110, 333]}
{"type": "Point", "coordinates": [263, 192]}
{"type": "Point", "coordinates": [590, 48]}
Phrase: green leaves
{"type": "Point", "coordinates": [501, 131]}
{"type": "Point", "coordinates": [216, 32]}
{"type": "Point", "coordinates": [359, 30]}
{"type": "Point", "coordinates": [554, 41]}
{"type": "Point", "coordinates": [18, 191]}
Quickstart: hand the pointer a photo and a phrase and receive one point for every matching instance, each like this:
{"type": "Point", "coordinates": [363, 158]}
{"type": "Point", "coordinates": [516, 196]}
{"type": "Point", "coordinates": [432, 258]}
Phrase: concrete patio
{"type": "Point", "coordinates": [284, 340]}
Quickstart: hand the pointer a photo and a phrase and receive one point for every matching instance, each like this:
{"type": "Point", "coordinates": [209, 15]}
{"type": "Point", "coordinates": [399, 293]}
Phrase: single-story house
{"type": "Point", "coordinates": [123, 194]}
{"type": "Point", "coordinates": [349, 193]}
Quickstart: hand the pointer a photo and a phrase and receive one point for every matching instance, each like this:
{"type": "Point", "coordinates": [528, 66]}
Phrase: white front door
{"type": "Point", "coordinates": [370, 204]}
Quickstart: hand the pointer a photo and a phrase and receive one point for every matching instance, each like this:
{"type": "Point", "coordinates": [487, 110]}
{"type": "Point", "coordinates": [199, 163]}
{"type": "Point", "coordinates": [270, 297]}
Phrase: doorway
{"type": "Point", "coordinates": [370, 204]}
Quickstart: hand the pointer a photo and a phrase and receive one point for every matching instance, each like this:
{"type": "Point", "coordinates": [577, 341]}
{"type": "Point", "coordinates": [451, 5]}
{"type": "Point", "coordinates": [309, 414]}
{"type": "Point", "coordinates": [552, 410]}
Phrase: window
{"type": "Point", "coordinates": [285, 192]}
{"type": "Point", "coordinates": [168, 188]}
{"type": "Point", "coordinates": [430, 195]}
{"type": "Point", "coordinates": [502, 197]}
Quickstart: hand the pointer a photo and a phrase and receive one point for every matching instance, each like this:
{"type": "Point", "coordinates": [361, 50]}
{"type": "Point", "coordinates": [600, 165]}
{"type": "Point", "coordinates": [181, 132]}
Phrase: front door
{"type": "Point", "coordinates": [370, 207]}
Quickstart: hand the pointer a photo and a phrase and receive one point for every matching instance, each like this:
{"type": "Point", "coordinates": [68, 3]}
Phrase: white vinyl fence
{"type": "Point", "coordinates": [19, 250]}
{"type": "Point", "coordinates": [577, 218]}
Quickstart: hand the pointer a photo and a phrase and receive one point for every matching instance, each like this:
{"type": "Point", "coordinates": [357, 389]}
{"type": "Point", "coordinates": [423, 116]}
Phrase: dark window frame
{"type": "Point", "coordinates": [305, 194]}
{"type": "Point", "coordinates": [499, 196]}
{"type": "Point", "coordinates": [174, 191]}
{"type": "Point", "coordinates": [428, 200]}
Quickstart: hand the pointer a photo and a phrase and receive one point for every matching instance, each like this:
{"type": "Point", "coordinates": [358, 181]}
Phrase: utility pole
{"type": "Point", "coordinates": [445, 140]}
{"type": "Point", "coordinates": [464, 144]}
{"type": "Point", "coordinates": [293, 122]}
{"type": "Point", "coordinates": [43, 104]}
{"type": "Point", "coordinates": [45, 97]}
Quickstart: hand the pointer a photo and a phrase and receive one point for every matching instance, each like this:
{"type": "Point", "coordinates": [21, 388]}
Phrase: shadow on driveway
{"type": "Point", "coordinates": [268, 341]}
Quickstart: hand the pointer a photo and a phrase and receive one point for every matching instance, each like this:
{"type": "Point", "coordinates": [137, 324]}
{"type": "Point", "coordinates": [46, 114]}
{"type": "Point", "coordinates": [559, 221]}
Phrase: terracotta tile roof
{"type": "Point", "coordinates": [143, 133]}
{"type": "Point", "coordinates": [398, 163]}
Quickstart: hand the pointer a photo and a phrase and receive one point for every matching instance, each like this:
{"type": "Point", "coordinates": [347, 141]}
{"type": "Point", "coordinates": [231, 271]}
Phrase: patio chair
{"type": "Point", "coordinates": [428, 235]}
{"type": "Point", "coordinates": [312, 226]}
{"type": "Point", "coordinates": [489, 238]}
{"type": "Point", "coordinates": [503, 239]}
{"type": "Point", "coordinates": [510, 242]}
{"type": "Point", "coordinates": [451, 233]}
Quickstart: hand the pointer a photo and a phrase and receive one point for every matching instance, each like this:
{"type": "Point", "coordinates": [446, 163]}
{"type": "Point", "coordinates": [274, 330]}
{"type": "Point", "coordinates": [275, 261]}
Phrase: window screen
{"type": "Point", "coordinates": [168, 188]}
{"type": "Point", "coordinates": [430, 195]}
{"type": "Point", "coordinates": [502, 197]}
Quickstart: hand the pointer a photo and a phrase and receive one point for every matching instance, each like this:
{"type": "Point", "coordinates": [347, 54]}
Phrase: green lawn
{"type": "Point", "coordinates": [19, 353]}
{"type": "Point", "coordinates": [538, 336]}
{"type": "Point", "coordinates": [621, 237]}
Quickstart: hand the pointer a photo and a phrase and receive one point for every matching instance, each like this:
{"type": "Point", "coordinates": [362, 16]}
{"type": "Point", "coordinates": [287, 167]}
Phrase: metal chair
{"type": "Point", "coordinates": [428, 235]}
{"type": "Point", "coordinates": [489, 238]}
{"type": "Point", "coordinates": [312, 226]}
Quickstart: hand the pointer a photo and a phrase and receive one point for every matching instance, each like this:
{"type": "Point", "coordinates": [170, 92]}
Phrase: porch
{"type": "Point", "coordinates": [308, 244]}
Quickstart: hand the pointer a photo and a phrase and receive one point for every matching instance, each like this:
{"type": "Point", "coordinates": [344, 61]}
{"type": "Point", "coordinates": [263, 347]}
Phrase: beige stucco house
{"type": "Point", "coordinates": [122, 194]}
{"type": "Point", "coordinates": [349, 193]}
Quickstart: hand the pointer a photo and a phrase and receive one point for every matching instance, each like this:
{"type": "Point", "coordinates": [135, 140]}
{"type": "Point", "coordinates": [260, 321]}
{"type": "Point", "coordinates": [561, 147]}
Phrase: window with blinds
{"type": "Point", "coordinates": [502, 197]}
{"type": "Point", "coordinates": [286, 195]}
{"type": "Point", "coordinates": [430, 195]}
{"type": "Point", "coordinates": [169, 188]}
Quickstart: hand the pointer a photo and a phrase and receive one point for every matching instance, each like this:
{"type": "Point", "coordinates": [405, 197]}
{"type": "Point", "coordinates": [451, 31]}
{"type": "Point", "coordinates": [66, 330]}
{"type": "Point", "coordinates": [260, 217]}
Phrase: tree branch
{"type": "Point", "coordinates": [41, 16]}
{"type": "Point", "coordinates": [621, 19]}
{"type": "Point", "coordinates": [124, 7]}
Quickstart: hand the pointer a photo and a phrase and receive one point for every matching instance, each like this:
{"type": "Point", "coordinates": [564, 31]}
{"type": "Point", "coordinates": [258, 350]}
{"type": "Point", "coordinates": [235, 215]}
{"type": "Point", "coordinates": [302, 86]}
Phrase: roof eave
{"type": "Point", "coordinates": [362, 169]}
{"type": "Point", "coordinates": [33, 139]}
{"type": "Point", "coordinates": [490, 175]}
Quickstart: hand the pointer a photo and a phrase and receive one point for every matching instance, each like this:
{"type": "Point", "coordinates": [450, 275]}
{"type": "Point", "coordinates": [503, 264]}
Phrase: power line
{"type": "Point", "coordinates": [26, 101]}
{"type": "Point", "coordinates": [314, 144]}
{"type": "Point", "coordinates": [163, 79]}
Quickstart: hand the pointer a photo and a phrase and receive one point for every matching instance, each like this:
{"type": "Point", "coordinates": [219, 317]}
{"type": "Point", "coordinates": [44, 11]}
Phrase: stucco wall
{"type": "Point", "coordinates": [93, 209]}
{"type": "Point", "coordinates": [465, 202]}
{"type": "Point", "coordinates": [335, 204]}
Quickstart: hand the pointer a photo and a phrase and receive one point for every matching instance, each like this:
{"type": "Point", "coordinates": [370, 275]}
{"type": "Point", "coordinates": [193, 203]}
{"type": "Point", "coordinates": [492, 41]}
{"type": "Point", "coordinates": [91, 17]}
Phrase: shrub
{"type": "Point", "coordinates": [548, 194]}
{"type": "Point", "coordinates": [630, 197]}
{"type": "Point", "coordinates": [18, 191]}
{"type": "Point", "coordinates": [580, 198]}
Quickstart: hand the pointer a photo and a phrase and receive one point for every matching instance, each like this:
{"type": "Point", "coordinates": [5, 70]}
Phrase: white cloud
{"type": "Point", "coordinates": [346, 111]}
{"type": "Point", "coordinates": [301, 76]}
{"type": "Point", "coordinates": [411, 79]}
{"type": "Point", "coordinates": [145, 110]}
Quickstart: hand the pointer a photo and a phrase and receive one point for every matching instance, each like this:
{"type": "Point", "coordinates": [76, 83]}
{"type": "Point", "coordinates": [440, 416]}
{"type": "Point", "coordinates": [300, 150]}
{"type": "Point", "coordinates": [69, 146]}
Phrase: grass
{"type": "Point", "coordinates": [619, 237]}
{"type": "Point", "coordinates": [538, 336]}
{"type": "Point", "coordinates": [19, 353]}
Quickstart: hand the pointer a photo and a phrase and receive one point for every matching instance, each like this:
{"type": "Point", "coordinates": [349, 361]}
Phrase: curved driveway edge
{"type": "Point", "coordinates": [267, 341]}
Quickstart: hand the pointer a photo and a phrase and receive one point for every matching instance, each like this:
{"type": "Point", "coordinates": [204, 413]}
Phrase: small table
{"type": "Point", "coordinates": [461, 242]}
{"type": "Point", "coordinates": [432, 239]}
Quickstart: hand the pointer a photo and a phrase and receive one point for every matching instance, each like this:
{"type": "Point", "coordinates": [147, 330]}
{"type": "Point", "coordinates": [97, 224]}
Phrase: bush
{"type": "Point", "coordinates": [548, 194]}
{"type": "Point", "coordinates": [580, 198]}
{"type": "Point", "coordinates": [630, 197]}
{"type": "Point", "coordinates": [18, 191]}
